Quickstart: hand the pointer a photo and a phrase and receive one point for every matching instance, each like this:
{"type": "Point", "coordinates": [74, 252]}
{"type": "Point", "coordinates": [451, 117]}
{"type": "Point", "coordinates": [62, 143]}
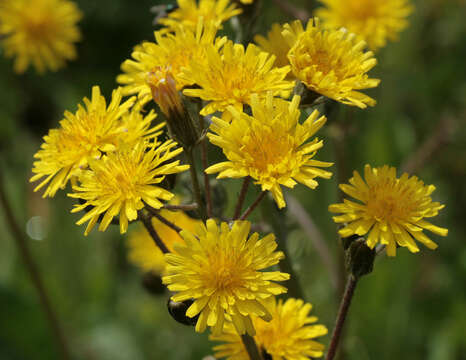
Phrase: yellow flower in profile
{"type": "Point", "coordinates": [390, 210]}
{"type": "Point", "coordinates": [271, 146]}
{"type": "Point", "coordinates": [144, 253]}
{"type": "Point", "coordinates": [220, 268]}
{"type": "Point", "coordinates": [374, 21]}
{"type": "Point", "coordinates": [332, 63]}
{"type": "Point", "coordinates": [288, 336]}
{"type": "Point", "coordinates": [276, 44]}
{"type": "Point", "coordinates": [172, 51]}
{"type": "Point", "coordinates": [39, 32]}
{"type": "Point", "coordinates": [189, 12]}
{"type": "Point", "coordinates": [91, 131]}
{"type": "Point", "coordinates": [232, 75]}
{"type": "Point", "coordinates": [122, 181]}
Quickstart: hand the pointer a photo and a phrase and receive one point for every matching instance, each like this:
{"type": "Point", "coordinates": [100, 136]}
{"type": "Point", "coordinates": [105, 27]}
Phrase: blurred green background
{"type": "Point", "coordinates": [411, 307]}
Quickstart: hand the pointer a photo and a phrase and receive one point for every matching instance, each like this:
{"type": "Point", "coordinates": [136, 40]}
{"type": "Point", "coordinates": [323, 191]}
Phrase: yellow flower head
{"type": "Point", "coordinates": [142, 250]}
{"type": "Point", "coordinates": [120, 182]}
{"type": "Point", "coordinates": [374, 21]}
{"type": "Point", "coordinates": [271, 146]}
{"type": "Point", "coordinates": [220, 268]}
{"type": "Point", "coordinates": [41, 32]}
{"type": "Point", "coordinates": [232, 75]}
{"type": "Point", "coordinates": [173, 52]}
{"type": "Point", "coordinates": [276, 44]}
{"type": "Point", "coordinates": [390, 210]}
{"type": "Point", "coordinates": [91, 131]}
{"type": "Point", "coordinates": [189, 12]}
{"type": "Point", "coordinates": [288, 336]}
{"type": "Point", "coordinates": [332, 63]}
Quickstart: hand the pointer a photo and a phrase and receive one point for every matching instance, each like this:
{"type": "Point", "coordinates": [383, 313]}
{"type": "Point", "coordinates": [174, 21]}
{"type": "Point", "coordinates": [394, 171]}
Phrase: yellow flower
{"type": "Point", "coordinates": [271, 146]}
{"type": "Point", "coordinates": [276, 44]}
{"type": "Point", "coordinates": [142, 250]}
{"type": "Point", "coordinates": [172, 52]}
{"type": "Point", "coordinates": [41, 32]}
{"type": "Point", "coordinates": [288, 336]}
{"type": "Point", "coordinates": [232, 75]}
{"type": "Point", "coordinates": [189, 12]}
{"type": "Point", "coordinates": [122, 181]}
{"type": "Point", "coordinates": [390, 210]}
{"type": "Point", "coordinates": [374, 21]}
{"type": "Point", "coordinates": [332, 63]}
{"type": "Point", "coordinates": [91, 131]}
{"type": "Point", "coordinates": [220, 268]}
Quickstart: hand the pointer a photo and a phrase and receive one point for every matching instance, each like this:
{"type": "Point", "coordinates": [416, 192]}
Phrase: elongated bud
{"type": "Point", "coordinates": [181, 126]}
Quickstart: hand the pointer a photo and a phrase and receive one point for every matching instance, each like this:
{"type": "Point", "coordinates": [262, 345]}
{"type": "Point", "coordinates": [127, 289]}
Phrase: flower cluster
{"type": "Point", "coordinates": [248, 101]}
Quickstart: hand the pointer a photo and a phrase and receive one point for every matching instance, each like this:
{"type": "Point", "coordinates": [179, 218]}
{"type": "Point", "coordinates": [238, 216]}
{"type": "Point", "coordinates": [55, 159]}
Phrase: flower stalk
{"type": "Point", "coordinates": [251, 347]}
{"type": "Point", "coordinates": [146, 220]}
{"type": "Point", "coordinates": [251, 208]}
{"type": "Point", "coordinates": [341, 317]}
{"type": "Point", "coordinates": [195, 182]}
{"type": "Point", "coordinates": [241, 197]}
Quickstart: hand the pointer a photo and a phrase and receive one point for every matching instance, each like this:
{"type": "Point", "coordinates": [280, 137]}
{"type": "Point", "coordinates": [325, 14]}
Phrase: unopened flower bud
{"type": "Point", "coordinates": [178, 311]}
{"type": "Point", "coordinates": [180, 125]}
{"type": "Point", "coordinates": [359, 258]}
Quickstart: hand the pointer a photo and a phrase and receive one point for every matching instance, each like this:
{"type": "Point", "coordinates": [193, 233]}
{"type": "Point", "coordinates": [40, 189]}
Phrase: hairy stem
{"type": "Point", "coordinates": [35, 275]}
{"type": "Point", "coordinates": [241, 197]}
{"type": "Point", "coordinates": [341, 317]}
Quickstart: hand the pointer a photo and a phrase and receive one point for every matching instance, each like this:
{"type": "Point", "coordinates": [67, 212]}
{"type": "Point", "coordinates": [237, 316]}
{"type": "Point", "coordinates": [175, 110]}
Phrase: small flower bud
{"type": "Point", "coordinates": [181, 126]}
{"type": "Point", "coordinates": [178, 311]}
{"type": "Point", "coordinates": [359, 257]}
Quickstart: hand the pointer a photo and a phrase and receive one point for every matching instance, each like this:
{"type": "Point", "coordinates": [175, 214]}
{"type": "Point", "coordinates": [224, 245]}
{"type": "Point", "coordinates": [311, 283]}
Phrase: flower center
{"type": "Point", "coordinates": [268, 151]}
{"type": "Point", "coordinates": [224, 273]}
{"type": "Point", "coordinates": [389, 203]}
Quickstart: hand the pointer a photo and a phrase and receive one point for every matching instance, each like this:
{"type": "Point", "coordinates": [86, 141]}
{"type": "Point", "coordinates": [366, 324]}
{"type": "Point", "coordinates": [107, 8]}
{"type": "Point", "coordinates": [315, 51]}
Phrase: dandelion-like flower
{"type": "Point", "coordinates": [189, 12]}
{"type": "Point", "coordinates": [144, 253]}
{"type": "Point", "coordinates": [276, 44]}
{"type": "Point", "coordinates": [374, 21]}
{"type": "Point", "coordinates": [39, 32]}
{"type": "Point", "coordinates": [332, 63]}
{"type": "Point", "coordinates": [271, 146]}
{"type": "Point", "coordinates": [288, 336]}
{"type": "Point", "coordinates": [173, 52]}
{"type": "Point", "coordinates": [91, 131]}
{"type": "Point", "coordinates": [122, 181]}
{"type": "Point", "coordinates": [232, 75]}
{"type": "Point", "coordinates": [390, 210]}
{"type": "Point", "coordinates": [220, 268]}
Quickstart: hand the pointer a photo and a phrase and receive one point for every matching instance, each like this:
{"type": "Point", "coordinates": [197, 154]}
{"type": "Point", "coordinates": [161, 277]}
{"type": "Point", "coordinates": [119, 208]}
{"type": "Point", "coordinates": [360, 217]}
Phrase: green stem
{"type": "Point", "coordinates": [195, 182]}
